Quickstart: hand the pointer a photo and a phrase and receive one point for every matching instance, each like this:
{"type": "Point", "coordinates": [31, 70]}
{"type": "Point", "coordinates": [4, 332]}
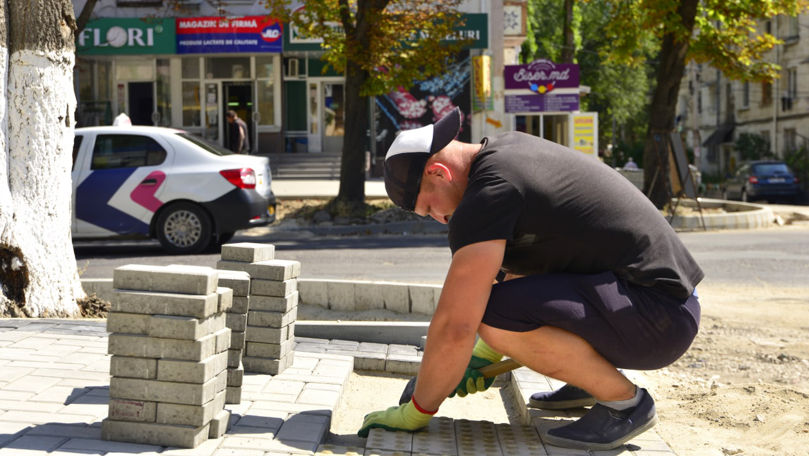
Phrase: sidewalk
{"type": "Point", "coordinates": [54, 390]}
{"type": "Point", "coordinates": [317, 188]}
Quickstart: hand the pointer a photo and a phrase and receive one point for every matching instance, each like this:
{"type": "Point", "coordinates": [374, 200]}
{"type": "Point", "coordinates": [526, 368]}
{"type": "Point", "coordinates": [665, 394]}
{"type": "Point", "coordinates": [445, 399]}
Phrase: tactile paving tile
{"type": "Point", "coordinates": [476, 438]}
{"type": "Point", "coordinates": [438, 438]}
{"type": "Point", "coordinates": [336, 450]}
{"type": "Point", "coordinates": [519, 440]}
{"type": "Point", "coordinates": [372, 452]}
{"type": "Point", "coordinates": [380, 439]}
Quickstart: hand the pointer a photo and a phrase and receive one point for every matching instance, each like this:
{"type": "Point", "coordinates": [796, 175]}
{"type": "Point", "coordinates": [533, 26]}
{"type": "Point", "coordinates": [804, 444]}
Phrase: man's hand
{"type": "Point", "coordinates": [402, 418]}
{"type": "Point", "coordinates": [473, 380]}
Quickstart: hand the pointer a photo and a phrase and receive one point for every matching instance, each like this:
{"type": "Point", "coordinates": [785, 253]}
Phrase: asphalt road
{"type": "Point", "coordinates": [776, 256]}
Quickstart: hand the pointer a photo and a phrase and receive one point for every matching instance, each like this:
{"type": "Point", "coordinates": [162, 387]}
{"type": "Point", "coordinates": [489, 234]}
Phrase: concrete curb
{"type": "Point", "coordinates": [738, 215]}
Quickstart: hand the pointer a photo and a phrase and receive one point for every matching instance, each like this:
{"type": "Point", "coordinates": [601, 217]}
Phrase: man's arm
{"type": "Point", "coordinates": [454, 325]}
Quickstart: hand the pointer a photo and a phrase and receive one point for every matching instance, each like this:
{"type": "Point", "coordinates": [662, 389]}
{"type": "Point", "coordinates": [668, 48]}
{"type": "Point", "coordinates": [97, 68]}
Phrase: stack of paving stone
{"type": "Point", "coordinates": [169, 348]}
{"type": "Point", "coordinates": [236, 320]}
{"type": "Point", "coordinates": [273, 305]}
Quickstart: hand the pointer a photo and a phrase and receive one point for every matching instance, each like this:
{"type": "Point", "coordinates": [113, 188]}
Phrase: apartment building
{"type": "Point", "coordinates": [713, 110]}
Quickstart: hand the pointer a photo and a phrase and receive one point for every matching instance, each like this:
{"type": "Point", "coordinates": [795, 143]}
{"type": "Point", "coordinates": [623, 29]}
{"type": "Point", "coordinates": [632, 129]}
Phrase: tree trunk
{"type": "Point", "coordinates": [662, 113]}
{"type": "Point", "coordinates": [569, 46]}
{"type": "Point", "coordinates": [352, 167]}
{"type": "Point", "coordinates": [37, 265]}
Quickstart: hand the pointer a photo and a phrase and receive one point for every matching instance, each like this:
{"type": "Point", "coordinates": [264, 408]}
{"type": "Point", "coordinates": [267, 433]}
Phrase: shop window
{"type": "Point", "coordinates": [134, 70]}
{"type": "Point", "coordinates": [766, 93]}
{"type": "Point", "coordinates": [227, 68]}
{"type": "Point", "coordinates": [190, 68]}
{"type": "Point", "coordinates": [163, 90]}
{"type": "Point", "coordinates": [191, 104]}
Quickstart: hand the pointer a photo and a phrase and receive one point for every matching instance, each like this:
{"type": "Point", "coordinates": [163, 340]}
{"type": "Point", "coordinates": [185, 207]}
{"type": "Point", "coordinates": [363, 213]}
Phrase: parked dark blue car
{"type": "Point", "coordinates": [768, 180]}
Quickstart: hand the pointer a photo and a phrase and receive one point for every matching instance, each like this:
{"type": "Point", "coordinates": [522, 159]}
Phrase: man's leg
{"type": "Point", "coordinates": [623, 411]}
{"type": "Point", "coordinates": [564, 356]}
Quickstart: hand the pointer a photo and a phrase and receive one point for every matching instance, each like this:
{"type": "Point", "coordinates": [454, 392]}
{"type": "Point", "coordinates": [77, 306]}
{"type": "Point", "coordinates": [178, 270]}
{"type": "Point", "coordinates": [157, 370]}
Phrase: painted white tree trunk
{"type": "Point", "coordinates": [37, 104]}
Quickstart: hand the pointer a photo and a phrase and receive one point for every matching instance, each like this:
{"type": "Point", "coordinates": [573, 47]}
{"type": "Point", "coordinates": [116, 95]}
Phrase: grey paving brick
{"type": "Point", "coordinates": [219, 425]}
{"type": "Point", "coordinates": [187, 328]}
{"type": "Point", "coordinates": [368, 296]}
{"type": "Point", "coordinates": [277, 288]}
{"type": "Point", "coordinates": [171, 370]}
{"type": "Point", "coordinates": [380, 439]}
{"type": "Point", "coordinates": [313, 292]}
{"type": "Point", "coordinates": [341, 295]}
{"type": "Point", "coordinates": [77, 445]}
{"type": "Point", "coordinates": [328, 399]}
{"type": "Point", "coordinates": [266, 335]}
{"type": "Point", "coordinates": [222, 340]}
{"type": "Point", "coordinates": [263, 350]}
{"type": "Point", "coordinates": [233, 395]}
{"type": "Point", "coordinates": [236, 321]}
{"type": "Point", "coordinates": [61, 430]}
{"type": "Point", "coordinates": [37, 443]}
{"type": "Point", "coordinates": [519, 440]}
{"type": "Point", "coordinates": [245, 441]}
{"type": "Point", "coordinates": [236, 376]}
{"type": "Point", "coordinates": [248, 252]}
{"type": "Point", "coordinates": [156, 434]}
{"type": "Point", "coordinates": [179, 393]}
{"type": "Point", "coordinates": [476, 438]}
{"type": "Point", "coordinates": [279, 270]}
{"type": "Point", "coordinates": [238, 281]}
{"type": "Point", "coordinates": [173, 279]}
{"type": "Point", "coordinates": [241, 304]}
{"type": "Point", "coordinates": [397, 297]}
{"type": "Point", "coordinates": [422, 299]}
{"type": "Point", "coordinates": [153, 303]}
{"type": "Point", "coordinates": [131, 410]}
{"type": "Point", "coordinates": [237, 340]}
{"type": "Point", "coordinates": [126, 366]}
{"type": "Point", "coordinates": [225, 299]}
{"type": "Point", "coordinates": [190, 415]}
{"type": "Point", "coordinates": [234, 358]}
{"type": "Point", "coordinates": [128, 323]}
{"type": "Point", "coordinates": [238, 452]}
{"type": "Point", "coordinates": [153, 347]}
{"type": "Point", "coordinates": [269, 366]}
{"type": "Point", "coordinates": [437, 438]}
{"type": "Point", "coordinates": [290, 447]}
{"type": "Point", "coordinates": [31, 383]}
{"type": "Point", "coordinates": [269, 421]}
{"type": "Point", "coordinates": [398, 365]}
{"type": "Point", "coordinates": [274, 303]}
{"type": "Point", "coordinates": [271, 319]}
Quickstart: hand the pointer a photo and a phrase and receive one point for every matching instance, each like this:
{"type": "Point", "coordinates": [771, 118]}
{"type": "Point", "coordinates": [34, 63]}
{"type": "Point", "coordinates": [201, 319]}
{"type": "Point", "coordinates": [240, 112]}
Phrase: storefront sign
{"type": "Point", "coordinates": [584, 133]}
{"type": "Point", "coordinates": [197, 35]}
{"type": "Point", "coordinates": [127, 36]}
{"type": "Point", "coordinates": [476, 28]}
{"type": "Point", "coordinates": [563, 102]}
{"type": "Point", "coordinates": [541, 76]}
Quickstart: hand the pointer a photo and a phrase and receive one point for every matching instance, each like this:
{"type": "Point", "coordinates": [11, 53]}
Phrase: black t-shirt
{"type": "Point", "coordinates": [563, 212]}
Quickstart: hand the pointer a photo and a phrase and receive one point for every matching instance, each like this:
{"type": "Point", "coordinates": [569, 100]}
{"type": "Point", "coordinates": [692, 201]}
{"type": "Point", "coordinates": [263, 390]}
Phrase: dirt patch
{"type": "Point", "coordinates": [93, 307]}
{"type": "Point", "coordinates": [327, 212]}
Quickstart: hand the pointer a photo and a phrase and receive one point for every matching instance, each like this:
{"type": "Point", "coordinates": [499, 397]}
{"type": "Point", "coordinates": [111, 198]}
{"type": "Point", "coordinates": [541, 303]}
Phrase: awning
{"type": "Point", "coordinates": [723, 134]}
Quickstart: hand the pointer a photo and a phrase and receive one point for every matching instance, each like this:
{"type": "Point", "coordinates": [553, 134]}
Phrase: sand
{"type": "Point", "coordinates": [741, 389]}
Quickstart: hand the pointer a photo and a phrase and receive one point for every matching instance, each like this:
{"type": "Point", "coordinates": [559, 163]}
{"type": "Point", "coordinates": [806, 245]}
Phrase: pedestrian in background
{"type": "Point", "coordinates": [239, 141]}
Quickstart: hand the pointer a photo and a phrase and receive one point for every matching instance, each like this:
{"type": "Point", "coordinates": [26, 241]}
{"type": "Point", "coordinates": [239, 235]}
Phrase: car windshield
{"type": "Point", "coordinates": [771, 168]}
{"type": "Point", "coordinates": [210, 147]}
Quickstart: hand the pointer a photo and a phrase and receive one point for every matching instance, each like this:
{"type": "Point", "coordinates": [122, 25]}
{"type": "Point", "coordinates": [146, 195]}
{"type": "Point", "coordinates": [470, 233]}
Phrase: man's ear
{"type": "Point", "coordinates": [440, 168]}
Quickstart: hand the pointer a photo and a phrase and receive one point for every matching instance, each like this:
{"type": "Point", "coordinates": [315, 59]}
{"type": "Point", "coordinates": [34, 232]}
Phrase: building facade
{"type": "Point", "coordinates": [186, 67]}
{"type": "Point", "coordinates": [713, 111]}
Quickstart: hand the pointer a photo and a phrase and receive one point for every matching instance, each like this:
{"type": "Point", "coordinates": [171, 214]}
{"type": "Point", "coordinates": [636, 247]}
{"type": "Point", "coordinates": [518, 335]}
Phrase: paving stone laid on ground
{"type": "Point", "coordinates": [54, 392]}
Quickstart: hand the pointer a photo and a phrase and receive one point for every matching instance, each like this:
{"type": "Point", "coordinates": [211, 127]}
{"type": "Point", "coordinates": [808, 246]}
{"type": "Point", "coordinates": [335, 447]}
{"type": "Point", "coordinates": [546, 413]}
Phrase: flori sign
{"type": "Point", "coordinates": [198, 35]}
{"type": "Point", "coordinates": [541, 74]}
{"type": "Point", "coordinates": [127, 36]}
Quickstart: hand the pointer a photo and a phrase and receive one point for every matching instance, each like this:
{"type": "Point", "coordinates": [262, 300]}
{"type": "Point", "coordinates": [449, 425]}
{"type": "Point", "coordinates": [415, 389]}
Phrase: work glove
{"type": "Point", "coordinates": [473, 381]}
{"type": "Point", "coordinates": [405, 417]}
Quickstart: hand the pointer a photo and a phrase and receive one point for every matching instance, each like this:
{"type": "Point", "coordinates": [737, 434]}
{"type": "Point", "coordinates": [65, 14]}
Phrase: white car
{"type": "Point", "coordinates": [167, 184]}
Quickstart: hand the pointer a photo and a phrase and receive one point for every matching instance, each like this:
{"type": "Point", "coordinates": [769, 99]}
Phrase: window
{"type": "Point", "coordinates": [745, 95]}
{"type": "Point", "coordinates": [126, 151]}
{"type": "Point", "coordinates": [163, 93]}
{"type": "Point", "coordinates": [699, 101]}
{"type": "Point", "coordinates": [791, 93]}
{"type": "Point", "coordinates": [265, 89]}
{"type": "Point", "coordinates": [191, 92]}
{"type": "Point", "coordinates": [227, 68]}
{"type": "Point", "coordinates": [793, 29]}
{"type": "Point", "coordinates": [76, 147]}
{"type": "Point", "coordinates": [790, 143]}
{"type": "Point", "coordinates": [766, 93]}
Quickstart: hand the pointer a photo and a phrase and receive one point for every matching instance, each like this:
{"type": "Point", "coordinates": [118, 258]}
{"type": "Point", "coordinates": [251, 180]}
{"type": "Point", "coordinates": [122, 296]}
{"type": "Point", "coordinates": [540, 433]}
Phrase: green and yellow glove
{"type": "Point", "coordinates": [473, 381]}
{"type": "Point", "coordinates": [406, 417]}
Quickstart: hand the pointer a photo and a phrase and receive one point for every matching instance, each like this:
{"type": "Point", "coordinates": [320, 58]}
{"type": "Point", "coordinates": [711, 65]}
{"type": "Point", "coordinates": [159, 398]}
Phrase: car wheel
{"type": "Point", "coordinates": [184, 228]}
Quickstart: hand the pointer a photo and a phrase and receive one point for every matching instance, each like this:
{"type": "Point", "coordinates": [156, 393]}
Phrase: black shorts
{"type": "Point", "coordinates": [633, 327]}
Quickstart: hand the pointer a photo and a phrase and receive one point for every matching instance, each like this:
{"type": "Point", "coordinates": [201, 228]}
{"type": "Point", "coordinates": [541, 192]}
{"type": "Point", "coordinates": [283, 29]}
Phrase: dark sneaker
{"type": "Point", "coordinates": [603, 428]}
{"type": "Point", "coordinates": [566, 397]}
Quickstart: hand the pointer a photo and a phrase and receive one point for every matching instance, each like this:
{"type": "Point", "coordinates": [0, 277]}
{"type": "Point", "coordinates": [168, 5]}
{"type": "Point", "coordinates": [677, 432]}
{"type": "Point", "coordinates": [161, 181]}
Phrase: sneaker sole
{"type": "Point", "coordinates": [562, 405]}
{"type": "Point", "coordinates": [567, 443]}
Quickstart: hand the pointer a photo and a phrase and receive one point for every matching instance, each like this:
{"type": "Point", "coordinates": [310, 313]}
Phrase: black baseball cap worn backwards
{"type": "Point", "coordinates": [407, 156]}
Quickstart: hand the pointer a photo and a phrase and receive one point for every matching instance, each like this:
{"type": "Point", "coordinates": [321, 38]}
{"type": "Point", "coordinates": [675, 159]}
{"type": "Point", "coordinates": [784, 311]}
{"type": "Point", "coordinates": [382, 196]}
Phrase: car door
{"type": "Point", "coordinates": [119, 186]}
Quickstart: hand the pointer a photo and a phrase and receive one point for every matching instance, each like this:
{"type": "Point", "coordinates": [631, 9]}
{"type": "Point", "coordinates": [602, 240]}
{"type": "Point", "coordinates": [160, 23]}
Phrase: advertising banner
{"type": "Point", "coordinates": [127, 36]}
{"type": "Point", "coordinates": [585, 133]}
{"type": "Point", "coordinates": [426, 102]}
{"type": "Point", "coordinates": [522, 104]}
{"type": "Point", "coordinates": [198, 35]}
{"type": "Point", "coordinates": [541, 76]}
